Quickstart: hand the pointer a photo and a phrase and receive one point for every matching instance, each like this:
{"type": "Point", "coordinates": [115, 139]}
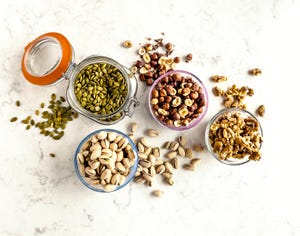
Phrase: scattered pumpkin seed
{"type": "Point", "coordinates": [18, 103]}
{"type": "Point", "coordinates": [52, 155]}
{"type": "Point", "coordinates": [14, 119]}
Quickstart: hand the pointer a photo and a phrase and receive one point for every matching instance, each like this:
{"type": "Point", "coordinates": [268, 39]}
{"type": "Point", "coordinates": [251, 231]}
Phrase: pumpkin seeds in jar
{"type": "Point", "coordinates": [100, 88]}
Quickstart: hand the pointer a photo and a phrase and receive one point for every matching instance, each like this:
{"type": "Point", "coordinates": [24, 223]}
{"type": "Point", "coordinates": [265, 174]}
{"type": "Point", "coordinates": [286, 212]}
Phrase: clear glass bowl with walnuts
{"type": "Point", "coordinates": [106, 160]}
{"type": "Point", "coordinates": [178, 100]}
{"type": "Point", "coordinates": [234, 137]}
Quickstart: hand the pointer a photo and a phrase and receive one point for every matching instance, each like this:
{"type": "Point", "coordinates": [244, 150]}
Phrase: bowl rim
{"type": "Point", "coordinates": [194, 122]}
{"type": "Point", "coordinates": [133, 169]}
{"type": "Point", "coordinates": [223, 111]}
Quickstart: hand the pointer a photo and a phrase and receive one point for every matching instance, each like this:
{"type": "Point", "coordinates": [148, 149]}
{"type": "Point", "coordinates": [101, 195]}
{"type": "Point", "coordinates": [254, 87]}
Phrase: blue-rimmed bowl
{"type": "Point", "coordinates": [99, 188]}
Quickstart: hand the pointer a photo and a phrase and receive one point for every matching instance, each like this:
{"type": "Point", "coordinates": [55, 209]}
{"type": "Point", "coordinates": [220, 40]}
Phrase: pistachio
{"type": "Point", "coordinates": [189, 167]}
{"type": "Point", "coordinates": [158, 193]}
{"type": "Point", "coordinates": [195, 161]}
{"type": "Point", "coordinates": [152, 132]}
{"type": "Point", "coordinates": [109, 187]}
{"type": "Point", "coordinates": [171, 154]}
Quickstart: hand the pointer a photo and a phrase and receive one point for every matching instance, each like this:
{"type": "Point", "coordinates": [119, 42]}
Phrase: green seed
{"type": "Point", "coordinates": [37, 112]}
{"type": "Point", "coordinates": [18, 103]}
{"type": "Point", "coordinates": [62, 99]}
{"type": "Point", "coordinates": [14, 119]}
{"type": "Point", "coordinates": [32, 122]}
{"type": "Point", "coordinates": [53, 96]}
{"type": "Point", "coordinates": [28, 127]}
{"type": "Point", "coordinates": [42, 105]}
{"type": "Point", "coordinates": [52, 155]}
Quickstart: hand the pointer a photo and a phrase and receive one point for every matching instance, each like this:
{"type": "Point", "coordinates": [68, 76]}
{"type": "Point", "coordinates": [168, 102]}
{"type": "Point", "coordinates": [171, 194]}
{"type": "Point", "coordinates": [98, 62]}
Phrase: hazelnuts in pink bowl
{"type": "Point", "coordinates": [178, 100]}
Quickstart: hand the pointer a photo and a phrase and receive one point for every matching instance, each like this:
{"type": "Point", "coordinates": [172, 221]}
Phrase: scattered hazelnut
{"type": "Point", "coordinates": [177, 59]}
{"type": "Point", "coordinates": [127, 44]}
{"type": "Point", "coordinates": [188, 57]}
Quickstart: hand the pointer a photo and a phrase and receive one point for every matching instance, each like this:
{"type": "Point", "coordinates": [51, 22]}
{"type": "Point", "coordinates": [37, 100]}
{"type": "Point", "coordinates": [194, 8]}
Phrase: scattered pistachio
{"type": "Point", "coordinates": [158, 193]}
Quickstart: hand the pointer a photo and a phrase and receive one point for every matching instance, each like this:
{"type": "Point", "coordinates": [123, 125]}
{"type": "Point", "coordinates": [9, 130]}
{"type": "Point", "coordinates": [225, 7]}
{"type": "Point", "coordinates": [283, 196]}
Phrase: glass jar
{"type": "Point", "coordinates": [50, 58]}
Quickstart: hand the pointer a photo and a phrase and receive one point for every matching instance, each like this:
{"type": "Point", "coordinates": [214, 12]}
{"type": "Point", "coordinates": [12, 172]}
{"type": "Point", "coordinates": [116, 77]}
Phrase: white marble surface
{"type": "Point", "coordinates": [42, 196]}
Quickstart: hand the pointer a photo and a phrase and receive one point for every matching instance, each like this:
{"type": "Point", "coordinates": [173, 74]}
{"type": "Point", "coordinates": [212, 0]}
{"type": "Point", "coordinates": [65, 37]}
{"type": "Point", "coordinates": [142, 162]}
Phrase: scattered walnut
{"type": "Point", "coordinates": [217, 91]}
{"type": "Point", "coordinates": [218, 78]}
{"type": "Point", "coordinates": [261, 110]}
{"type": "Point", "coordinates": [234, 96]}
{"type": "Point", "coordinates": [255, 71]}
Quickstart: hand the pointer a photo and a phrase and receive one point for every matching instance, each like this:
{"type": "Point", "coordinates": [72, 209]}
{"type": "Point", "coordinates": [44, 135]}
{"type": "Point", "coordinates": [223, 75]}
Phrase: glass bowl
{"type": "Point", "coordinates": [178, 100]}
{"type": "Point", "coordinates": [80, 168]}
{"type": "Point", "coordinates": [252, 124]}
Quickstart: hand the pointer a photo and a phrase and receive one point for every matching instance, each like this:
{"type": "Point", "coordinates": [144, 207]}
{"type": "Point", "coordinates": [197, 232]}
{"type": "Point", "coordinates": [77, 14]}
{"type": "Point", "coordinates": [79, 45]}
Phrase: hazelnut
{"type": "Point", "coordinates": [185, 91]}
{"type": "Point", "coordinates": [142, 77]}
{"type": "Point", "coordinates": [165, 79]}
{"type": "Point", "coordinates": [176, 102]}
{"type": "Point", "coordinates": [177, 123]}
{"type": "Point", "coordinates": [193, 107]}
{"type": "Point", "coordinates": [188, 102]}
{"type": "Point", "coordinates": [154, 101]}
{"type": "Point", "coordinates": [176, 116]}
{"type": "Point", "coordinates": [147, 66]}
{"type": "Point", "coordinates": [148, 47]}
{"type": "Point", "coordinates": [163, 112]}
{"type": "Point", "coordinates": [171, 90]}
{"type": "Point", "coordinates": [166, 106]}
{"type": "Point", "coordinates": [143, 70]}
{"type": "Point", "coordinates": [153, 63]}
{"type": "Point", "coordinates": [163, 93]}
{"type": "Point", "coordinates": [168, 99]}
{"type": "Point", "coordinates": [176, 77]}
{"type": "Point", "coordinates": [127, 44]}
{"type": "Point", "coordinates": [149, 81]}
{"type": "Point", "coordinates": [194, 95]}
{"type": "Point", "coordinates": [169, 46]}
{"type": "Point", "coordinates": [185, 122]}
{"type": "Point", "coordinates": [161, 99]}
{"type": "Point", "coordinates": [155, 107]}
{"type": "Point", "coordinates": [169, 122]}
{"type": "Point", "coordinates": [139, 64]}
{"type": "Point", "coordinates": [146, 58]}
{"type": "Point", "coordinates": [149, 74]}
{"type": "Point", "coordinates": [133, 69]}
{"type": "Point", "coordinates": [177, 59]}
{"type": "Point", "coordinates": [183, 112]}
{"type": "Point", "coordinates": [142, 51]}
{"type": "Point", "coordinates": [162, 60]}
{"type": "Point", "coordinates": [154, 57]}
{"type": "Point", "coordinates": [155, 93]}
{"type": "Point", "coordinates": [188, 57]}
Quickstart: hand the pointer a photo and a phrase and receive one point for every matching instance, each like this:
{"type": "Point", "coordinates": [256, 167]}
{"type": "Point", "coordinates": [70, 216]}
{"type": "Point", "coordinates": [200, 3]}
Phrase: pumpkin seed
{"type": "Point", "coordinates": [14, 119]}
{"type": "Point", "coordinates": [101, 88]}
{"type": "Point", "coordinates": [18, 103]}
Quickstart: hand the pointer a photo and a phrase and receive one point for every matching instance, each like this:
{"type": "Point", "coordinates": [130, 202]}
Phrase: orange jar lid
{"type": "Point", "coordinates": [47, 58]}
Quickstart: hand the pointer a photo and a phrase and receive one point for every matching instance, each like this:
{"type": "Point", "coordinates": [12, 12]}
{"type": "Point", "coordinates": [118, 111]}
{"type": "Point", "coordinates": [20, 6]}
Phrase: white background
{"type": "Point", "coordinates": [42, 196]}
